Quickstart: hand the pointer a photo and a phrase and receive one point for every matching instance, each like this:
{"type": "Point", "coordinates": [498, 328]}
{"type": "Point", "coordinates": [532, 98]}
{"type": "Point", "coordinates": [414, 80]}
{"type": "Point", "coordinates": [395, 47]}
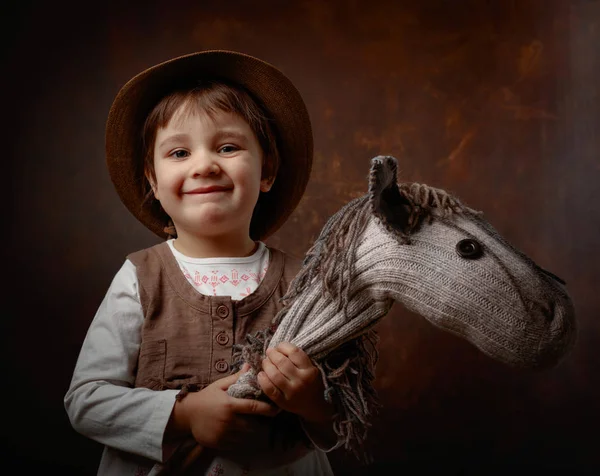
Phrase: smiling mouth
{"type": "Point", "coordinates": [207, 190]}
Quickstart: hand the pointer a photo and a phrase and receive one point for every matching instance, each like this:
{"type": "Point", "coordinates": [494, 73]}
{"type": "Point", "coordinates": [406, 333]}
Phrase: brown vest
{"type": "Point", "coordinates": [188, 338]}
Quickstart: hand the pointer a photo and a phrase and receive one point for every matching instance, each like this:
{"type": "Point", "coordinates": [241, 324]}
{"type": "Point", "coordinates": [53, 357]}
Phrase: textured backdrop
{"type": "Point", "coordinates": [495, 101]}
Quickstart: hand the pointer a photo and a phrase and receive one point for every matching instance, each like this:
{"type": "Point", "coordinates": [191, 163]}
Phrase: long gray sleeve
{"type": "Point", "coordinates": [101, 402]}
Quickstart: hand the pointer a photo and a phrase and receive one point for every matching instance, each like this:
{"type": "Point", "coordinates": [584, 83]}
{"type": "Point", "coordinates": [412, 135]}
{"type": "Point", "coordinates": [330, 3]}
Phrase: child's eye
{"type": "Point", "coordinates": [227, 149]}
{"type": "Point", "coordinates": [180, 154]}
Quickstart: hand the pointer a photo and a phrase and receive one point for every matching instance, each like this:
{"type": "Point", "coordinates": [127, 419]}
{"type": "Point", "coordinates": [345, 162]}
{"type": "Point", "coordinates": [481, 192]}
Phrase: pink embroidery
{"type": "Point", "coordinates": [228, 281]}
{"type": "Point", "coordinates": [217, 470]}
{"type": "Point", "coordinates": [234, 277]}
{"type": "Point", "coordinates": [185, 272]}
{"type": "Point", "coordinates": [247, 293]}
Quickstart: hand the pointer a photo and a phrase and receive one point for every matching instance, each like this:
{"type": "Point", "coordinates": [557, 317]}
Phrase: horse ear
{"type": "Point", "coordinates": [383, 174]}
{"type": "Point", "coordinates": [386, 201]}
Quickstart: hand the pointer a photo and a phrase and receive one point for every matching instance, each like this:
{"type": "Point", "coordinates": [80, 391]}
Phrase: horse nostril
{"type": "Point", "coordinates": [469, 249]}
{"type": "Point", "coordinates": [549, 311]}
{"type": "Point", "coordinates": [544, 309]}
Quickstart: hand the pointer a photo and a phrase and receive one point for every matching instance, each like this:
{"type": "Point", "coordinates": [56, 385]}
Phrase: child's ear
{"type": "Point", "coordinates": [152, 184]}
{"type": "Point", "coordinates": [266, 184]}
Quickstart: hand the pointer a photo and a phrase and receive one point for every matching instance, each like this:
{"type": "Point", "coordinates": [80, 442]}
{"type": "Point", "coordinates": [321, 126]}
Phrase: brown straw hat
{"type": "Point", "coordinates": [264, 82]}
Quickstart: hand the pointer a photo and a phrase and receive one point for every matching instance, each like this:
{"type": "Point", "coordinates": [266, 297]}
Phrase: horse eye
{"type": "Point", "coordinates": [469, 249]}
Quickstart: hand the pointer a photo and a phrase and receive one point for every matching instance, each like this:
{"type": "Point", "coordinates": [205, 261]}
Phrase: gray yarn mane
{"type": "Point", "coordinates": [332, 256]}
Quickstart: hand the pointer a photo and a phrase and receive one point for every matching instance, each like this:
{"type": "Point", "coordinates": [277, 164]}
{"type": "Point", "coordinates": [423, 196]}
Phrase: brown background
{"type": "Point", "coordinates": [495, 101]}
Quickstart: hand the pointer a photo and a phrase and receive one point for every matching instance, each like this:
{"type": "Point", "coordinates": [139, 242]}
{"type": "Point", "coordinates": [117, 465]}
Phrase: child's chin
{"type": "Point", "coordinates": [215, 226]}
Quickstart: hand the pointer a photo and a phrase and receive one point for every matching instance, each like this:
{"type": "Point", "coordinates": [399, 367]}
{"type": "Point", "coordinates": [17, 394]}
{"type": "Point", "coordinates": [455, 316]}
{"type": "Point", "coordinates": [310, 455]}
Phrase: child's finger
{"type": "Point", "coordinates": [226, 382]}
{"type": "Point", "coordinates": [249, 406]}
{"type": "Point", "coordinates": [295, 354]}
{"type": "Point", "coordinates": [270, 389]}
{"type": "Point", "coordinates": [279, 378]}
{"type": "Point", "coordinates": [283, 363]}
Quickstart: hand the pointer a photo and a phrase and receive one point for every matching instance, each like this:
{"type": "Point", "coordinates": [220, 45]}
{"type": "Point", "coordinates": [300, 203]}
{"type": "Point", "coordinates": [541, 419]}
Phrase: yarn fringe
{"type": "Point", "coordinates": [347, 373]}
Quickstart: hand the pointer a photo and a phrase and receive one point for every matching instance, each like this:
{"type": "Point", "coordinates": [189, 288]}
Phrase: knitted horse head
{"type": "Point", "coordinates": [422, 248]}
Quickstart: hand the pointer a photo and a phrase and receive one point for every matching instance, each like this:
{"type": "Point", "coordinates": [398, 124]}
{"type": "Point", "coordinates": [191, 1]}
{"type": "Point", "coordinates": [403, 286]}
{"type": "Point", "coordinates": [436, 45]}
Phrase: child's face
{"type": "Point", "coordinates": [208, 173]}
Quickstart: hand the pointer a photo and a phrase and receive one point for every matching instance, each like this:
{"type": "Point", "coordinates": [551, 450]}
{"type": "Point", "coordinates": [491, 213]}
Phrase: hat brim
{"type": "Point", "coordinates": [275, 92]}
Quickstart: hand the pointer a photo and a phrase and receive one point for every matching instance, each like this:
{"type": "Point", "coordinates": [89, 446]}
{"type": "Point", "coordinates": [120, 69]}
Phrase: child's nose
{"type": "Point", "coordinates": [205, 164]}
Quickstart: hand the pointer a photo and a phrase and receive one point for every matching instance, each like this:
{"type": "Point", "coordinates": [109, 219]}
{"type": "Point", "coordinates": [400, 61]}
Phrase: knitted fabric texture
{"type": "Point", "coordinates": [420, 247]}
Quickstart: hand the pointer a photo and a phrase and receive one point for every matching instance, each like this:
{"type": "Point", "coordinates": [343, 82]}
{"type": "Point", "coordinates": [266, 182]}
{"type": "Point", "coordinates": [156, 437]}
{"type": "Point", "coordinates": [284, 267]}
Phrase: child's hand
{"type": "Point", "coordinates": [291, 380]}
{"type": "Point", "coordinates": [217, 420]}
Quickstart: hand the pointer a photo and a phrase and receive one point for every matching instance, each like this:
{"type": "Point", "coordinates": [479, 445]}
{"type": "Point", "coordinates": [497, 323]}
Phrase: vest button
{"type": "Point", "coordinates": [222, 338]}
{"type": "Point", "coordinates": [221, 366]}
{"type": "Point", "coordinates": [222, 311]}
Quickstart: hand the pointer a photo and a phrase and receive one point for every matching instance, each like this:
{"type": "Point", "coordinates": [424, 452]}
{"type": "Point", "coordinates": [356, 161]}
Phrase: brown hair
{"type": "Point", "coordinates": [211, 97]}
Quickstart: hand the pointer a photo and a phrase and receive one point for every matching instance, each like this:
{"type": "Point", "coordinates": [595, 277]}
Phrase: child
{"type": "Point", "coordinates": [211, 151]}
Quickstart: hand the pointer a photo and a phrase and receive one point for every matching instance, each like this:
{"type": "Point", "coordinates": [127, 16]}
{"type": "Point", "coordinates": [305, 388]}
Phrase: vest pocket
{"type": "Point", "coordinates": [151, 365]}
{"type": "Point", "coordinates": [159, 371]}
